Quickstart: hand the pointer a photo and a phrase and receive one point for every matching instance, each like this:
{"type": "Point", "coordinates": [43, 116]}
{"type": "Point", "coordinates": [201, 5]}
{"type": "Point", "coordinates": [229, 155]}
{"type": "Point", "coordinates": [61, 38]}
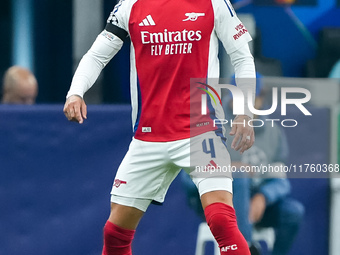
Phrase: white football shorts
{"type": "Point", "coordinates": [148, 168]}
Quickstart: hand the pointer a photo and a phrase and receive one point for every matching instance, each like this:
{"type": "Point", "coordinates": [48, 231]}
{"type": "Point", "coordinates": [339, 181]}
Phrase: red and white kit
{"type": "Point", "coordinates": [171, 42]}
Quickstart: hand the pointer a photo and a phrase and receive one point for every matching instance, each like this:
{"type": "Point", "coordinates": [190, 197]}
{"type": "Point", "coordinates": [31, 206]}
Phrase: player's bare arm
{"type": "Point", "coordinates": [75, 109]}
{"type": "Point", "coordinates": [243, 134]}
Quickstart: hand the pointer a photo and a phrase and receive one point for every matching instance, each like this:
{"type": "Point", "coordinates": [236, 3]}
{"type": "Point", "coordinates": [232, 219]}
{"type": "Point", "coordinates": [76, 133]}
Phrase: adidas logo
{"type": "Point", "coordinates": [212, 164]}
{"type": "Point", "coordinates": [146, 129]}
{"type": "Point", "coordinates": [148, 21]}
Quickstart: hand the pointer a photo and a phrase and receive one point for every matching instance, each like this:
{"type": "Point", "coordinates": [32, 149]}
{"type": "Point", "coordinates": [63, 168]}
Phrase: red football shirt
{"type": "Point", "coordinates": [171, 43]}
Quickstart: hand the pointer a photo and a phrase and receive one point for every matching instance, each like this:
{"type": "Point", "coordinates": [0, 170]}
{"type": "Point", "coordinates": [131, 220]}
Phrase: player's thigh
{"type": "Point", "coordinates": [210, 168]}
{"type": "Point", "coordinates": [209, 156]}
{"type": "Point", "coordinates": [220, 194]}
{"type": "Point", "coordinates": [144, 175]}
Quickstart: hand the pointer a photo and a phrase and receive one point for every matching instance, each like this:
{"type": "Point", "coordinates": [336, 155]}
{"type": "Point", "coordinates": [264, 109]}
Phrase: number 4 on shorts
{"type": "Point", "coordinates": [211, 147]}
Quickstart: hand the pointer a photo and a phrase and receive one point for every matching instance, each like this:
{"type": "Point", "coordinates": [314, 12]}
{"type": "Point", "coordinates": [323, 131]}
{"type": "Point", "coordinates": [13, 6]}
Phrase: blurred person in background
{"type": "Point", "coordinates": [260, 200]}
{"type": "Point", "coordinates": [19, 86]}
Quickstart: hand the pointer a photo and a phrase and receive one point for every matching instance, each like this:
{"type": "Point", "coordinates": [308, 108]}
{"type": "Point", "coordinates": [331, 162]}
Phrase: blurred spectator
{"type": "Point", "coordinates": [19, 86]}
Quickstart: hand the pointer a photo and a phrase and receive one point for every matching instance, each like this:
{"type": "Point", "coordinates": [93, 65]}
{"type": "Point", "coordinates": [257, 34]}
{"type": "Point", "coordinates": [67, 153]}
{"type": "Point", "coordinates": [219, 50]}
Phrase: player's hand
{"type": "Point", "coordinates": [244, 134]}
{"type": "Point", "coordinates": [75, 109]}
{"type": "Point", "coordinates": [257, 208]}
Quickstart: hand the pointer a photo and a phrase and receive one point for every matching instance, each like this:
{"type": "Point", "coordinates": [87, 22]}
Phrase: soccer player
{"type": "Point", "coordinates": [19, 86]}
{"type": "Point", "coordinates": [171, 42]}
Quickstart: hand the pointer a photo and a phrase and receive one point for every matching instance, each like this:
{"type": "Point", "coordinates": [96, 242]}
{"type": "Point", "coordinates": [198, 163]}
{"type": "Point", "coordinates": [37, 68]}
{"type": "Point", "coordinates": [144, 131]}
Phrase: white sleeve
{"type": "Point", "coordinates": [102, 51]}
{"type": "Point", "coordinates": [245, 74]}
{"type": "Point", "coordinates": [228, 27]}
{"type": "Point", "coordinates": [243, 62]}
{"type": "Point", "coordinates": [120, 14]}
{"type": "Point", "coordinates": [107, 44]}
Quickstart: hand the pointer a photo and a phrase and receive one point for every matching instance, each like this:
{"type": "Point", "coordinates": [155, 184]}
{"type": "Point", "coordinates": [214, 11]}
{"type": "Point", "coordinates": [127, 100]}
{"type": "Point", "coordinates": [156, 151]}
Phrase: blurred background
{"type": "Point", "coordinates": [55, 176]}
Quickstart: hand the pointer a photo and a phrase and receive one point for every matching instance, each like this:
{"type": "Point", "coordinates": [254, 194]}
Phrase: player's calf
{"type": "Point", "coordinates": [221, 219]}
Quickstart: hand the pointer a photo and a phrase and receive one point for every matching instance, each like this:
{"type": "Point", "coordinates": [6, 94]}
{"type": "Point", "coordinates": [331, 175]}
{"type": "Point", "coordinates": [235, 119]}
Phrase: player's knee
{"type": "Point", "coordinates": [217, 196]}
{"type": "Point", "coordinates": [117, 234]}
{"type": "Point", "coordinates": [117, 240]}
{"type": "Point", "coordinates": [226, 218]}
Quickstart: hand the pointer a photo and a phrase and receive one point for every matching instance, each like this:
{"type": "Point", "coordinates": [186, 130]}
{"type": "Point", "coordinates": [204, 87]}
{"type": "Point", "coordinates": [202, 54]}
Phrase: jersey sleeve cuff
{"type": "Point", "coordinates": [73, 93]}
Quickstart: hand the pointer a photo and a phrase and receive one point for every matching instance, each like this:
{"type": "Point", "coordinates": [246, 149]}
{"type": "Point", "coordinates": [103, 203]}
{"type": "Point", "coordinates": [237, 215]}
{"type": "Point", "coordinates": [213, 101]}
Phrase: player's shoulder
{"type": "Point", "coordinates": [224, 4]}
{"type": "Point", "coordinates": [120, 14]}
{"type": "Point", "coordinates": [128, 2]}
{"type": "Point", "coordinates": [124, 5]}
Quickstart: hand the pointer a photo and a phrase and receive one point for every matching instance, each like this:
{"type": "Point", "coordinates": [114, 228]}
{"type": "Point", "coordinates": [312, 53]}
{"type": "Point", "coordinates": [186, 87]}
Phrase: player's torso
{"type": "Point", "coordinates": [171, 42]}
{"type": "Point", "coordinates": [165, 28]}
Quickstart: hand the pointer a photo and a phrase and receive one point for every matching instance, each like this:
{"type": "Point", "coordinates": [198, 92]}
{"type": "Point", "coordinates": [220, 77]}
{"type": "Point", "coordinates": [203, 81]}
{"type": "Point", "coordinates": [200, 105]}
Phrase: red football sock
{"type": "Point", "coordinates": [221, 219]}
{"type": "Point", "coordinates": [117, 241]}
